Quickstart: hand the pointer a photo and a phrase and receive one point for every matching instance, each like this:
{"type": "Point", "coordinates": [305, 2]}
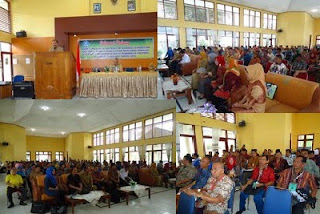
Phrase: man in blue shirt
{"type": "Point", "coordinates": [196, 160]}
{"type": "Point", "coordinates": [202, 176]}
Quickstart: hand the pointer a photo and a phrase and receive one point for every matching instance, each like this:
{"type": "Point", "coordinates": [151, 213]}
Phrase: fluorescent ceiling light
{"type": "Point", "coordinates": [62, 133]}
{"type": "Point", "coordinates": [45, 108]}
{"type": "Point", "coordinates": [314, 10]}
{"type": "Point", "coordinates": [81, 114]}
{"type": "Point", "coordinates": [32, 129]}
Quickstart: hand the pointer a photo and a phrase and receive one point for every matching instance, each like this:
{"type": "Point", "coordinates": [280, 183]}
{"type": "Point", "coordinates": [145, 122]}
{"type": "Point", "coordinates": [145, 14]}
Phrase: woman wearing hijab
{"type": "Point", "coordinates": [200, 71]}
{"type": "Point", "coordinates": [169, 56]}
{"type": "Point", "coordinates": [154, 173]}
{"type": "Point", "coordinates": [255, 99]}
{"type": "Point", "coordinates": [51, 186]}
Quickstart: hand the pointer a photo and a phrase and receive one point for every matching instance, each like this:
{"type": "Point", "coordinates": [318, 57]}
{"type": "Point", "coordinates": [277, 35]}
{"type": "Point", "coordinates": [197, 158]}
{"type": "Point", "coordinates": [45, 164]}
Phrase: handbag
{"type": "Point", "coordinates": [58, 210]}
{"type": "Point", "coordinates": [39, 207]}
{"type": "Point", "coordinates": [252, 191]}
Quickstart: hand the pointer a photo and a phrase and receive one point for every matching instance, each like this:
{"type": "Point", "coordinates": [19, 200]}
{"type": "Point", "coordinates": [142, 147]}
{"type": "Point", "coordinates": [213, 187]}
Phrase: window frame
{"type": "Point", "coordinates": [164, 12]}
{"type": "Point", "coordinates": [224, 139]}
{"type": "Point", "coordinates": [249, 38]}
{"type": "Point", "coordinates": [153, 125]}
{"type": "Point", "coordinates": [270, 21]}
{"type": "Point", "coordinates": [9, 17]}
{"type": "Point", "coordinates": [60, 154]}
{"type": "Point", "coordinates": [49, 155]}
{"type": "Point", "coordinates": [28, 153]}
{"type": "Point", "coordinates": [225, 15]}
{"type": "Point", "coordinates": [318, 40]}
{"type": "Point", "coordinates": [255, 16]}
{"type": "Point", "coordinates": [304, 140]}
{"type": "Point", "coordinates": [196, 8]}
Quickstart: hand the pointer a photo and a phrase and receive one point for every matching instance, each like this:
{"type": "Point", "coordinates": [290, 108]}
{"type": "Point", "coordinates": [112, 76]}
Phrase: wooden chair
{"type": "Point", "coordinates": [39, 190]}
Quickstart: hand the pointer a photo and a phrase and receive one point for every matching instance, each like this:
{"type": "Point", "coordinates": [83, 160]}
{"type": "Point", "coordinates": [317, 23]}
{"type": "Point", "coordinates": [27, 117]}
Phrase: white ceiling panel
{"type": "Point", "coordinates": [62, 114]}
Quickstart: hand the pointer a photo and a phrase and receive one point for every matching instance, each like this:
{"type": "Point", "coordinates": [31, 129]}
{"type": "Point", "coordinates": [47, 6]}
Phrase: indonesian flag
{"type": "Point", "coordinates": [78, 60]}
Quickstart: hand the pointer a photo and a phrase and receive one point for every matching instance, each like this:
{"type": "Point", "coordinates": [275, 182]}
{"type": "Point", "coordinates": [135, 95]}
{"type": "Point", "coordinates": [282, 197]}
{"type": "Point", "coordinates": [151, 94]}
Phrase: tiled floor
{"type": "Point", "coordinates": [160, 203]}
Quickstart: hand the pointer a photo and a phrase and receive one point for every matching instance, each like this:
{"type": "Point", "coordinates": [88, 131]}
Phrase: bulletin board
{"type": "Point", "coordinates": [24, 65]}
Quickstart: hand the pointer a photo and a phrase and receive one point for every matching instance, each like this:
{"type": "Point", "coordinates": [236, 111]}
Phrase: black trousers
{"type": "Point", "coordinates": [11, 190]}
{"type": "Point", "coordinates": [298, 208]}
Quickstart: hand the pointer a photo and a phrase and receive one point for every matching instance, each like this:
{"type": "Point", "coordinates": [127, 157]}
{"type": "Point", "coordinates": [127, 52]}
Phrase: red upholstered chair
{"type": "Point", "coordinates": [267, 67]}
{"type": "Point", "coordinates": [303, 76]}
{"type": "Point", "coordinates": [146, 178]}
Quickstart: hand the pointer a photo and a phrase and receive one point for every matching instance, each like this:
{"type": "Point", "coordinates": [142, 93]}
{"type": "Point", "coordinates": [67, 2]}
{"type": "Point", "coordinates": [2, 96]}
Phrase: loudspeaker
{"type": "Point", "coordinates": [21, 34]}
{"type": "Point", "coordinates": [5, 144]}
{"type": "Point", "coordinates": [89, 147]}
{"type": "Point", "coordinates": [280, 31]}
{"type": "Point", "coordinates": [242, 123]}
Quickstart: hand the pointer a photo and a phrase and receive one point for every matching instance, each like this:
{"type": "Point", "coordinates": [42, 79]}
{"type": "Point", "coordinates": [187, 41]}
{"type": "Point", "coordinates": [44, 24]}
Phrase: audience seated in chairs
{"type": "Point", "coordinates": [124, 178]}
{"type": "Point", "coordinates": [278, 164]}
{"type": "Point", "coordinates": [114, 184]}
{"type": "Point", "coordinates": [262, 177]}
{"type": "Point", "coordinates": [51, 187]}
{"type": "Point", "coordinates": [99, 180]}
{"type": "Point", "coordinates": [86, 179]}
{"type": "Point", "coordinates": [15, 184]}
{"type": "Point", "coordinates": [216, 193]}
{"type": "Point", "coordinates": [186, 173]}
{"type": "Point", "coordinates": [74, 183]}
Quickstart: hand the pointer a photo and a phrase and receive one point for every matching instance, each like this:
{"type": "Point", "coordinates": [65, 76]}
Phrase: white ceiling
{"type": "Point", "coordinates": [280, 6]}
{"type": "Point", "coordinates": [62, 115]}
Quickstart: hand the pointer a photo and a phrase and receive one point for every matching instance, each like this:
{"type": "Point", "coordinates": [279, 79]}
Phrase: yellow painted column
{"type": "Point", "coordinates": [199, 140]}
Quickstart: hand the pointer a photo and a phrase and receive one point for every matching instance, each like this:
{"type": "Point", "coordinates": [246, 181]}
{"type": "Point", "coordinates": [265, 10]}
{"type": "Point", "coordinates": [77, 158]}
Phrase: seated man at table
{"type": "Point", "coordinates": [216, 193]}
{"type": "Point", "coordinates": [98, 179]}
{"type": "Point", "coordinates": [86, 179]}
{"type": "Point", "coordinates": [124, 176]}
{"type": "Point", "coordinates": [296, 178]}
{"type": "Point", "coordinates": [116, 66]}
{"type": "Point", "coordinates": [262, 177]}
{"type": "Point", "coordinates": [74, 182]}
{"type": "Point", "coordinates": [15, 183]}
{"type": "Point", "coordinates": [186, 173]}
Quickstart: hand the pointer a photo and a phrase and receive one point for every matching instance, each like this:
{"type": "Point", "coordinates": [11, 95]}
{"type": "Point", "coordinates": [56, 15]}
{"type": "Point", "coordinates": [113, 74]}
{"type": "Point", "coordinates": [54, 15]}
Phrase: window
{"type": "Point", "coordinates": [155, 153]}
{"type": "Point", "coordinates": [187, 141]}
{"type": "Point", "coordinates": [159, 126]}
{"type": "Point", "coordinates": [269, 40]}
{"type": "Point", "coordinates": [226, 117]}
{"type": "Point", "coordinates": [131, 154]}
{"type": "Point", "coordinates": [28, 156]}
{"type": "Point", "coordinates": [5, 18]}
{"type": "Point", "coordinates": [112, 154]}
{"type": "Point", "coordinates": [43, 156]}
{"type": "Point", "coordinates": [98, 155]}
{"type": "Point", "coordinates": [305, 141]}
{"type": "Point", "coordinates": [167, 37]}
{"type": "Point", "coordinates": [226, 140]}
{"type": "Point", "coordinates": [251, 39]}
{"type": "Point", "coordinates": [251, 18]}
{"type": "Point", "coordinates": [269, 21]}
{"type": "Point", "coordinates": [59, 156]}
{"type": "Point", "coordinates": [199, 11]}
{"type": "Point", "coordinates": [167, 9]}
{"type": "Point", "coordinates": [200, 37]}
{"type": "Point", "coordinates": [318, 40]}
{"type": "Point", "coordinates": [112, 136]}
{"type": "Point", "coordinates": [98, 139]}
{"type": "Point", "coordinates": [132, 132]}
{"type": "Point", "coordinates": [228, 38]}
{"type": "Point", "coordinates": [228, 15]}
{"type": "Point", "coordinates": [5, 72]}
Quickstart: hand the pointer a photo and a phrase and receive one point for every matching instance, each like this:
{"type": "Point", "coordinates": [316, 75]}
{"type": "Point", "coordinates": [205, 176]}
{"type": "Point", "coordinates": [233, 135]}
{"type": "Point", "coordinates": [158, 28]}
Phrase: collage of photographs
{"type": "Point", "coordinates": [160, 106]}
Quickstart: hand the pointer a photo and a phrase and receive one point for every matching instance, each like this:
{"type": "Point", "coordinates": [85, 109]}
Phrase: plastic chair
{"type": "Point", "coordinates": [277, 201]}
{"type": "Point", "coordinates": [129, 69]}
{"type": "Point", "coordinates": [18, 78]}
{"type": "Point", "coordinates": [231, 201]}
{"type": "Point", "coordinates": [186, 204]}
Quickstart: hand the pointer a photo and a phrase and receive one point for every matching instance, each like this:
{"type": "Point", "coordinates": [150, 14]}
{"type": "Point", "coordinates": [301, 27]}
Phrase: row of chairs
{"type": "Point", "coordinates": [276, 201]}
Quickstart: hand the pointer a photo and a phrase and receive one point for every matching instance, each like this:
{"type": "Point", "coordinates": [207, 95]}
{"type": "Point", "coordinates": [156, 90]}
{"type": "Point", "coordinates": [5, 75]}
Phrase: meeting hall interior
{"type": "Point", "coordinates": [81, 156]}
{"type": "Point", "coordinates": [79, 49]}
{"type": "Point", "coordinates": [245, 163]}
{"type": "Point", "coordinates": [223, 52]}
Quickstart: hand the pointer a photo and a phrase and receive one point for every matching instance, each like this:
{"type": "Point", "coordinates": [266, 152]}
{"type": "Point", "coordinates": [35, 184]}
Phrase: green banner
{"type": "Point", "coordinates": [129, 48]}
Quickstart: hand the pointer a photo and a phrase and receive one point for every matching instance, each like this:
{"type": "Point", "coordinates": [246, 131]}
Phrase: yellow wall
{"type": "Point", "coordinates": [305, 124]}
{"type": "Point", "coordinates": [199, 122]}
{"type": "Point", "coordinates": [45, 144]}
{"type": "Point", "coordinates": [77, 146]}
{"type": "Point", "coordinates": [16, 137]}
{"type": "Point", "coordinates": [297, 28]}
{"type": "Point", "coordinates": [264, 131]}
{"type": "Point", "coordinates": [160, 140]}
{"type": "Point", "coordinates": [36, 17]}
{"type": "Point", "coordinates": [182, 24]}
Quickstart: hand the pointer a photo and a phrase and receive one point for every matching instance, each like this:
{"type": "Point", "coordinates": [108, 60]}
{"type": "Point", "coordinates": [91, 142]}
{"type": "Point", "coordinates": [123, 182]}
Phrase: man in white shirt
{"type": "Point", "coordinates": [124, 178]}
{"type": "Point", "coordinates": [278, 67]}
{"type": "Point", "coordinates": [271, 55]}
{"type": "Point", "coordinates": [185, 59]}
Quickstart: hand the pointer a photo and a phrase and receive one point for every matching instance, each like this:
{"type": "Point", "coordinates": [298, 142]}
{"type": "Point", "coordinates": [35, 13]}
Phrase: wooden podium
{"type": "Point", "coordinates": [55, 75]}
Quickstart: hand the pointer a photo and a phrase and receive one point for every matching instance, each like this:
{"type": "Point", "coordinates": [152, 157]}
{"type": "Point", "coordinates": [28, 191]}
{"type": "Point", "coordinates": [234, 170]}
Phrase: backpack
{"type": "Point", "coordinates": [39, 207]}
{"type": "Point", "coordinates": [59, 210]}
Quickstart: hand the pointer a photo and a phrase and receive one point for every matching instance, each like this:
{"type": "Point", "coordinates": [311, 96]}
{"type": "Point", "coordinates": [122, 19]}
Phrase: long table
{"type": "Point", "coordinates": [123, 84]}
